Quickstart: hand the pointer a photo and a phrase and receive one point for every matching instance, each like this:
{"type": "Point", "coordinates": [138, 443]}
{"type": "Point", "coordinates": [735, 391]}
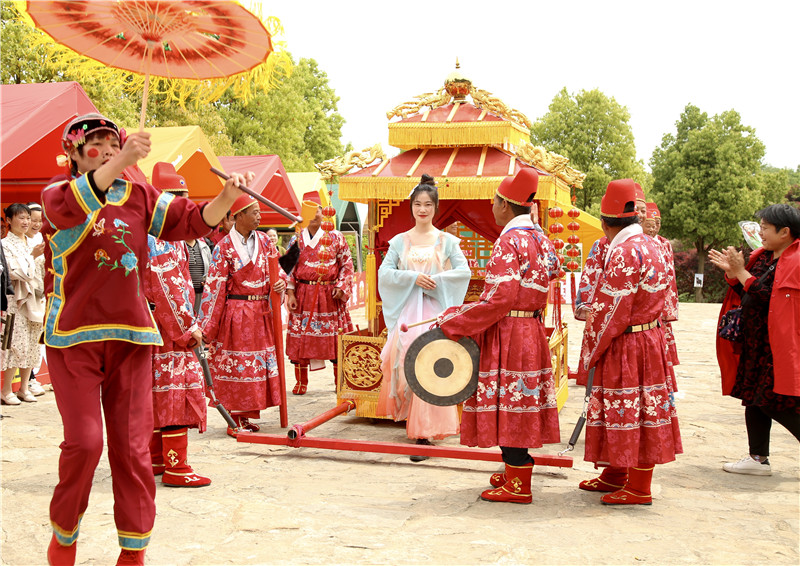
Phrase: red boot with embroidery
{"type": "Point", "coordinates": [178, 472]}
{"type": "Point", "coordinates": [517, 488]}
{"type": "Point", "coordinates": [131, 558]}
{"type": "Point", "coordinates": [301, 376]}
{"type": "Point", "coordinates": [59, 555]}
{"type": "Point", "coordinates": [156, 453]}
{"type": "Point", "coordinates": [611, 479]}
{"type": "Point", "coordinates": [635, 492]}
{"type": "Point", "coordinates": [498, 479]}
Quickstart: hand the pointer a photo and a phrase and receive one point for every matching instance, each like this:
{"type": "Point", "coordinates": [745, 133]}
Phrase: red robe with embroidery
{"type": "Point", "coordinates": [315, 326]}
{"type": "Point", "coordinates": [178, 390]}
{"type": "Point", "coordinates": [671, 303]}
{"type": "Point", "coordinates": [631, 418]}
{"type": "Point", "coordinates": [592, 270]}
{"type": "Point", "coordinates": [241, 342]}
{"type": "Point", "coordinates": [515, 403]}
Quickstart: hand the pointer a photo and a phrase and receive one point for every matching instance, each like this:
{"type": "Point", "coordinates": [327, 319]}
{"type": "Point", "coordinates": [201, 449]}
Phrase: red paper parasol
{"type": "Point", "coordinates": [185, 40]}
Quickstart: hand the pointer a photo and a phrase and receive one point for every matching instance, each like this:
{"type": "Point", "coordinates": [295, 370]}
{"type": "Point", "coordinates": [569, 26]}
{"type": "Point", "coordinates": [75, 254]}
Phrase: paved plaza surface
{"type": "Point", "coordinates": [280, 505]}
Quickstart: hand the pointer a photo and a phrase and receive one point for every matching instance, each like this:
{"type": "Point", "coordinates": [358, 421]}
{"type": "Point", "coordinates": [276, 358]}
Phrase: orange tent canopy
{"type": "Point", "coordinates": [190, 151]}
{"type": "Point", "coordinates": [271, 181]}
{"type": "Point", "coordinates": [32, 119]}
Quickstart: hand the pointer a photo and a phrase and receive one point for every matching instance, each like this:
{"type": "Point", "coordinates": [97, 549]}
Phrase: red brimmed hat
{"type": "Point", "coordinates": [652, 210]}
{"type": "Point", "coordinates": [518, 188]}
{"type": "Point", "coordinates": [639, 192]}
{"type": "Point", "coordinates": [165, 178]}
{"type": "Point", "coordinates": [81, 127]}
{"type": "Point", "coordinates": [618, 194]}
{"type": "Point", "coordinates": [241, 203]}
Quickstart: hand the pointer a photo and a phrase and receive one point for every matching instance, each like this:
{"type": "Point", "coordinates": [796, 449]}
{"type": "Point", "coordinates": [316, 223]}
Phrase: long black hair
{"type": "Point", "coordinates": [782, 216]}
{"type": "Point", "coordinates": [426, 185]}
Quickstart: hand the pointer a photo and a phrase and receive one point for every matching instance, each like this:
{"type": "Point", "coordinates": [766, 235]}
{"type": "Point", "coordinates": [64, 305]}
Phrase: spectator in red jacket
{"type": "Point", "coordinates": [768, 289]}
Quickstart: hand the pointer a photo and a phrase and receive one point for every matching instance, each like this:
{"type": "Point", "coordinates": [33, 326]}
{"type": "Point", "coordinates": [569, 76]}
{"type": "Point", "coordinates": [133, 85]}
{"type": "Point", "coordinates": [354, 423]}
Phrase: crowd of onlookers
{"type": "Point", "coordinates": [23, 302]}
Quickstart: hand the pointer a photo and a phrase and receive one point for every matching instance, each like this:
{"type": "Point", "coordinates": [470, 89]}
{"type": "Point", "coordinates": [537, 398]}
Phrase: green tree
{"type": "Point", "coordinates": [24, 60]}
{"type": "Point", "coordinates": [298, 120]}
{"type": "Point", "coordinates": [706, 177]}
{"type": "Point", "coordinates": [593, 131]}
{"type": "Point", "coordinates": [791, 187]}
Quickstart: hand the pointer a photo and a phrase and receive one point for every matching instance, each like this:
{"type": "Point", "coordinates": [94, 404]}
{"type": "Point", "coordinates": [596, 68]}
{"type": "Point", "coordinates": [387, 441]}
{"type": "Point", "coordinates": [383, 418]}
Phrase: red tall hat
{"type": "Point", "coordinates": [241, 203]}
{"type": "Point", "coordinates": [518, 188]}
{"type": "Point", "coordinates": [652, 210]}
{"type": "Point", "coordinates": [618, 194]}
{"type": "Point", "coordinates": [165, 178]}
{"type": "Point", "coordinates": [639, 192]}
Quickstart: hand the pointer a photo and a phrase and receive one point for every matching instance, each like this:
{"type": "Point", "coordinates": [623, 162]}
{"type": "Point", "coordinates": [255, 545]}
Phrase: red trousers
{"type": "Point", "coordinates": [119, 373]}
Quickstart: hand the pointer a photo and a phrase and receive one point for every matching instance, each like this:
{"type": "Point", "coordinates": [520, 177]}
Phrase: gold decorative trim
{"type": "Point", "coordinates": [431, 99]}
{"type": "Point", "coordinates": [550, 162]}
{"type": "Point", "coordinates": [413, 135]}
{"type": "Point", "coordinates": [479, 172]}
{"type": "Point", "coordinates": [366, 189]}
{"type": "Point", "coordinates": [446, 169]}
{"type": "Point", "coordinates": [486, 100]}
{"type": "Point", "coordinates": [342, 165]}
{"type": "Point", "coordinates": [481, 98]}
{"type": "Point", "coordinates": [384, 209]}
{"type": "Point", "coordinates": [414, 167]}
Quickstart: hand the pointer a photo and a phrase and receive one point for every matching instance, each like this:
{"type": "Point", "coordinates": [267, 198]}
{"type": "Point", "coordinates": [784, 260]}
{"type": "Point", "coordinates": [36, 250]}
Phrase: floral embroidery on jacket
{"type": "Point", "coordinates": [129, 262]}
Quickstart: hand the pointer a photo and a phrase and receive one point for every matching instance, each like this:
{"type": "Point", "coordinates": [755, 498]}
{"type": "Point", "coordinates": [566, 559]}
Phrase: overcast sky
{"type": "Point", "coordinates": [652, 57]}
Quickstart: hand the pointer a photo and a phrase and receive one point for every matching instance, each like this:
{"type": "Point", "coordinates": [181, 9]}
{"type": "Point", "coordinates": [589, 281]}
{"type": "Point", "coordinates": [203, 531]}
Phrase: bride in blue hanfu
{"type": "Point", "coordinates": [424, 272]}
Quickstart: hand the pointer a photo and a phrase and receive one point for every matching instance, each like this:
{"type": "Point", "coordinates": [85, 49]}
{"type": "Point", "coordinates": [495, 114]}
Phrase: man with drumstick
{"type": "Point", "coordinates": [514, 406]}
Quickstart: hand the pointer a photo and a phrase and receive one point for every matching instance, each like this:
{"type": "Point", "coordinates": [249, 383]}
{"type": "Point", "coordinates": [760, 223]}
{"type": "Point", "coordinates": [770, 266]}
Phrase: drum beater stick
{"type": "Point", "coordinates": [404, 327]}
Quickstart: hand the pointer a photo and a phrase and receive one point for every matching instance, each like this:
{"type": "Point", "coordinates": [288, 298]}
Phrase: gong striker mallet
{"type": "Point", "coordinates": [404, 327]}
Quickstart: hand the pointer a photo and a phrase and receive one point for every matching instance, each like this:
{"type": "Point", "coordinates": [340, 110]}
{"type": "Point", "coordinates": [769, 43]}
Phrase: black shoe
{"type": "Point", "coordinates": [424, 442]}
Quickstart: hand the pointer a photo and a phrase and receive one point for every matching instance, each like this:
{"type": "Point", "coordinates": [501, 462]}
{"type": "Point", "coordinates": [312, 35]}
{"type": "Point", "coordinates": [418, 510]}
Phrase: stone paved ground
{"type": "Point", "coordinates": [277, 505]}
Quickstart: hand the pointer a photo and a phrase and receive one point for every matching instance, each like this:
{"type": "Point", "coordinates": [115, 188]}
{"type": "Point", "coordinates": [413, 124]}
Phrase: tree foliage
{"type": "Point", "coordinates": [298, 120]}
{"type": "Point", "coordinates": [593, 131]}
{"type": "Point", "coordinates": [707, 176]}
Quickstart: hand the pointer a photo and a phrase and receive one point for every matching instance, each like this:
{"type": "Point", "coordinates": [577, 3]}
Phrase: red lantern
{"type": "Point", "coordinates": [573, 226]}
{"type": "Point", "coordinates": [555, 212]}
{"type": "Point", "coordinates": [325, 254]}
{"type": "Point", "coordinates": [561, 273]}
{"type": "Point", "coordinates": [573, 252]}
{"type": "Point", "coordinates": [558, 244]}
{"type": "Point", "coordinates": [574, 213]}
{"type": "Point", "coordinates": [556, 228]}
{"type": "Point", "coordinates": [326, 225]}
{"type": "Point", "coordinates": [574, 239]}
{"type": "Point", "coordinates": [573, 265]}
{"type": "Point", "coordinates": [561, 259]}
{"type": "Point", "coordinates": [328, 211]}
{"type": "Point", "coordinates": [326, 239]}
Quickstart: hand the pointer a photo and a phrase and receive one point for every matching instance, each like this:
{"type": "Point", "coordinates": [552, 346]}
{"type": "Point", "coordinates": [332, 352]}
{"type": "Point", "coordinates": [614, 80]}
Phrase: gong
{"type": "Point", "coordinates": [441, 371]}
